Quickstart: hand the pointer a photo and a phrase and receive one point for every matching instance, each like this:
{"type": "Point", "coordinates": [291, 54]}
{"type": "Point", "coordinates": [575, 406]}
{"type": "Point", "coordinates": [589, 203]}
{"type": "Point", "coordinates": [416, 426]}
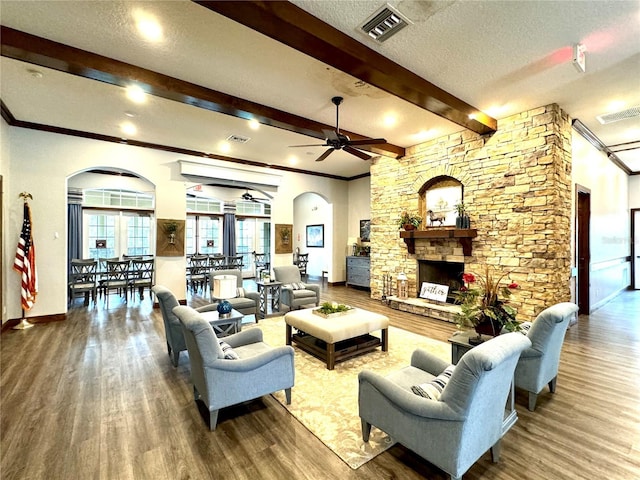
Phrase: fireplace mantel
{"type": "Point", "coordinates": [464, 236]}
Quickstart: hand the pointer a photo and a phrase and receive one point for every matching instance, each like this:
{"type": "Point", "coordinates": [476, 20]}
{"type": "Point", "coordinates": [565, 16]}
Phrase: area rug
{"type": "Point", "coordinates": [326, 401]}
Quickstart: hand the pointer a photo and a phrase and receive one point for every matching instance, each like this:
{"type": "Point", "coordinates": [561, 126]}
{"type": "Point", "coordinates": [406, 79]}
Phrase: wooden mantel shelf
{"type": "Point", "coordinates": [464, 236]}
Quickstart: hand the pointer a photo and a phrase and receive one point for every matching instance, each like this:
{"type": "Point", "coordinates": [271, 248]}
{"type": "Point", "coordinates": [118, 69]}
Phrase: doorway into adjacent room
{"type": "Point", "coordinates": [583, 255]}
{"type": "Point", "coordinates": [635, 248]}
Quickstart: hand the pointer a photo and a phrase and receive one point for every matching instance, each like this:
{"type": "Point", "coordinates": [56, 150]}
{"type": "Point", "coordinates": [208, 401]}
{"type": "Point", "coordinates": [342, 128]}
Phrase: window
{"type": "Point", "coordinates": [204, 234]}
{"type": "Point", "coordinates": [110, 234]}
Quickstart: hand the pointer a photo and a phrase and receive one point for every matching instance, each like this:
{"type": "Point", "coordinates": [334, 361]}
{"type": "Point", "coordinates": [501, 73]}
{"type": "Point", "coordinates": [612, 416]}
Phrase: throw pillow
{"type": "Point", "coordinates": [229, 353]}
{"type": "Point", "coordinates": [240, 292]}
{"type": "Point", "coordinates": [297, 286]}
{"type": "Point", "coordinates": [433, 389]}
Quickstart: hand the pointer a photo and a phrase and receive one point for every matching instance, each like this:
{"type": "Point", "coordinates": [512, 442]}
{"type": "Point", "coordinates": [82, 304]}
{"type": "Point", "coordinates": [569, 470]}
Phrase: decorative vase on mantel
{"type": "Point", "coordinates": [409, 226]}
{"type": "Point", "coordinates": [463, 222]}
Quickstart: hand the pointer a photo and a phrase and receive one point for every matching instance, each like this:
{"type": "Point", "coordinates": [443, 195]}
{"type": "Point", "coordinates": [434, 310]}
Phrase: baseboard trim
{"type": "Point", "coordinates": [12, 322]}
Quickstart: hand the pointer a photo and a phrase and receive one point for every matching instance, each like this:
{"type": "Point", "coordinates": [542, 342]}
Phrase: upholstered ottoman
{"type": "Point", "coordinates": [336, 338]}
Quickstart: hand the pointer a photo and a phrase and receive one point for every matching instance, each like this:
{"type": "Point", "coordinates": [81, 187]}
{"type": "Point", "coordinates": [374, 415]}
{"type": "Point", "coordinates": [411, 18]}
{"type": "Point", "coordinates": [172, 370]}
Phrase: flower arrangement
{"type": "Point", "coordinates": [409, 218]}
{"type": "Point", "coordinates": [481, 305]}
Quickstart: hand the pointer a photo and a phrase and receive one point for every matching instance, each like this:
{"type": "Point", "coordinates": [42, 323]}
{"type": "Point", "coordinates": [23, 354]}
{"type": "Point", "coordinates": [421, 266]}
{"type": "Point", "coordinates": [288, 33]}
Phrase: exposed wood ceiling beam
{"type": "Point", "coordinates": [46, 53]}
{"type": "Point", "coordinates": [293, 26]}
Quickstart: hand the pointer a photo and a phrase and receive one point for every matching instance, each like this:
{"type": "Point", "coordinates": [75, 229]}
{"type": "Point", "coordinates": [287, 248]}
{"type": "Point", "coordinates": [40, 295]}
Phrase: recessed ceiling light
{"type": "Point", "coordinates": [390, 120]}
{"type": "Point", "coordinates": [254, 124]}
{"type": "Point", "coordinates": [293, 160]}
{"type": "Point", "coordinates": [136, 94]}
{"type": "Point", "coordinates": [148, 26]}
{"type": "Point", "coordinates": [128, 128]}
{"type": "Point", "coordinates": [224, 147]}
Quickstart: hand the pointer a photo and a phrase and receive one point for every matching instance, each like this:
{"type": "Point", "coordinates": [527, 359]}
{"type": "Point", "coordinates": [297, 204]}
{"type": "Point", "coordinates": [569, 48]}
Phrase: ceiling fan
{"type": "Point", "coordinates": [250, 198]}
{"type": "Point", "coordinates": [337, 141]}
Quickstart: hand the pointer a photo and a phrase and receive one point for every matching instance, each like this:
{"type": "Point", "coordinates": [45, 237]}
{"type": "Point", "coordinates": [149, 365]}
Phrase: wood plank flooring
{"type": "Point", "coordinates": [95, 397]}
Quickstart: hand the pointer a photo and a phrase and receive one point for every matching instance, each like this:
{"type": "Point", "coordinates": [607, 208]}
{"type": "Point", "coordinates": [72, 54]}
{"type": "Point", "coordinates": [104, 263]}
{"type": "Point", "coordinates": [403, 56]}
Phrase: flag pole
{"type": "Point", "coordinates": [24, 323]}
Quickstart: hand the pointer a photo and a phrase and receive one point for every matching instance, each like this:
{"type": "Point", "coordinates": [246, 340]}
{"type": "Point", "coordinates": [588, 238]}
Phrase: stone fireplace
{"type": "Point", "coordinates": [517, 189]}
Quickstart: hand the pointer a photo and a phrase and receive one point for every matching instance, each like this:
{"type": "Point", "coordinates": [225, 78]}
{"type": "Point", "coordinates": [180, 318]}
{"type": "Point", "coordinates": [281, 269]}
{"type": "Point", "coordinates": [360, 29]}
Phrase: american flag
{"type": "Point", "coordinates": [25, 262]}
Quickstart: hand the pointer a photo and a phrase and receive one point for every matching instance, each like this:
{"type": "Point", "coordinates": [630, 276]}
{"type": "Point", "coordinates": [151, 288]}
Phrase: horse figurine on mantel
{"type": "Point", "coordinates": [436, 217]}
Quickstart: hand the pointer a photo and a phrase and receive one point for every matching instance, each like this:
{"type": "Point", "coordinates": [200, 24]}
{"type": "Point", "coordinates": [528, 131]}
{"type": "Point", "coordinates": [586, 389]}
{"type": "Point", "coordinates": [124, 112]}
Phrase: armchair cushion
{"type": "Point", "coordinates": [433, 389]}
{"type": "Point", "coordinates": [240, 292]}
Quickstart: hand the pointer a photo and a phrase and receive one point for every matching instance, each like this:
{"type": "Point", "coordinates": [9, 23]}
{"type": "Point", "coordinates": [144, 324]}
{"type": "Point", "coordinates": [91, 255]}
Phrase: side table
{"type": "Point", "coordinates": [224, 326]}
{"type": "Point", "coordinates": [269, 291]}
{"type": "Point", "coordinates": [459, 346]}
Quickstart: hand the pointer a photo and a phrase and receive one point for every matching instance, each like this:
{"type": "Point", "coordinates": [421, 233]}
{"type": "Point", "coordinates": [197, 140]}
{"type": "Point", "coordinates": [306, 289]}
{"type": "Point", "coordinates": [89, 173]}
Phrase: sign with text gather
{"type": "Point", "coordinates": [434, 291]}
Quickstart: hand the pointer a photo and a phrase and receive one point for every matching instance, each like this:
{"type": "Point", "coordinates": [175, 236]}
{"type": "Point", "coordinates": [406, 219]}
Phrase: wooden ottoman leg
{"type": "Point", "coordinates": [288, 334]}
{"type": "Point", "coordinates": [385, 339]}
{"type": "Point", "coordinates": [331, 355]}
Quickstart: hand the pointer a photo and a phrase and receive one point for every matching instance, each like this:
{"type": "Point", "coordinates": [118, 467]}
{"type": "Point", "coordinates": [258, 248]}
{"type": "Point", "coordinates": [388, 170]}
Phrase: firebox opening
{"type": "Point", "coordinates": [442, 273]}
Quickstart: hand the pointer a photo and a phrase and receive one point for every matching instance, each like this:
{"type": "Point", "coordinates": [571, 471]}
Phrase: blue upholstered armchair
{"type": "Point", "coordinates": [538, 365]}
{"type": "Point", "coordinates": [295, 293]}
{"type": "Point", "coordinates": [172, 327]}
{"type": "Point", "coordinates": [247, 304]}
{"type": "Point", "coordinates": [220, 381]}
{"type": "Point", "coordinates": [454, 431]}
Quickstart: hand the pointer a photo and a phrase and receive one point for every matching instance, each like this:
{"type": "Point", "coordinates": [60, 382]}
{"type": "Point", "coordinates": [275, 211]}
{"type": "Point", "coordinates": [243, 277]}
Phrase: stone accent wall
{"type": "Point", "coordinates": [517, 188]}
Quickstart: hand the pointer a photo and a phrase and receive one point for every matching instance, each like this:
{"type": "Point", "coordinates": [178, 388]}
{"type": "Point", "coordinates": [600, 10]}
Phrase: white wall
{"type": "Point", "coordinates": [634, 191]}
{"type": "Point", "coordinates": [41, 163]}
{"type": "Point", "coordinates": [610, 221]}
{"type": "Point", "coordinates": [5, 239]}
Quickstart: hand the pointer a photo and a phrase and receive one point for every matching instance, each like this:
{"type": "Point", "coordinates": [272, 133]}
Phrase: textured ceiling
{"type": "Point", "coordinates": [501, 57]}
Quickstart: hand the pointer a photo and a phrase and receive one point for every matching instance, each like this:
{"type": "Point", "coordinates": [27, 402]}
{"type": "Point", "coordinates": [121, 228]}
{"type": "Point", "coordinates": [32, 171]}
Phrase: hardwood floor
{"type": "Point", "coordinates": [95, 397]}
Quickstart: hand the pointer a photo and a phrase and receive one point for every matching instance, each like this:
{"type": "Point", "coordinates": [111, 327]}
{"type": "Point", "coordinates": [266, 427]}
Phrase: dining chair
{"type": "Point", "coordinates": [141, 276]}
{"type": "Point", "coordinates": [116, 278]}
{"type": "Point", "coordinates": [198, 273]}
{"type": "Point", "coordinates": [83, 279]}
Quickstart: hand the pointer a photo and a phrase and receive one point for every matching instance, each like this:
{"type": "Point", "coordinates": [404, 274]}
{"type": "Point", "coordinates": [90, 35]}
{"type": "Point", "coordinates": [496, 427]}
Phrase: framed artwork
{"type": "Point", "coordinates": [365, 230]}
{"type": "Point", "coordinates": [440, 205]}
{"type": "Point", "coordinates": [315, 235]}
{"type": "Point", "coordinates": [170, 238]}
{"type": "Point", "coordinates": [284, 238]}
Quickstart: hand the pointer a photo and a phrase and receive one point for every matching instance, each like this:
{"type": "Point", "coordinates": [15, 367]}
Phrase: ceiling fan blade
{"type": "Point", "coordinates": [311, 145]}
{"type": "Point", "coordinates": [324, 155]}
{"type": "Point", "coordinates": [357, 153]}
{"type": "Point", "coordinates": [371, 141]}
{"type": "Point", "coordinates": [330, 134]}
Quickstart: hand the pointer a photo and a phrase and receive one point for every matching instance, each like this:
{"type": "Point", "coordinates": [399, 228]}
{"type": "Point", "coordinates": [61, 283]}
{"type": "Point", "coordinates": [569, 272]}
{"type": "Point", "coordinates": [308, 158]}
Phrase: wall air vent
{"type": "Point", "coordinates": [617, 116]}
{"type": "Point", "coordinates": [238, 139]}
{"type": "Point", "coordinates": [384, 23]}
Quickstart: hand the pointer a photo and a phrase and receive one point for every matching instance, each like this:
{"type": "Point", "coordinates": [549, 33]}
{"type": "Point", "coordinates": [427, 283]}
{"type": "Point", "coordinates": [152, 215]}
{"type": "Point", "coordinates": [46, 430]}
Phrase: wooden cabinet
{"type": "Point", "coordinates": [358, 271]}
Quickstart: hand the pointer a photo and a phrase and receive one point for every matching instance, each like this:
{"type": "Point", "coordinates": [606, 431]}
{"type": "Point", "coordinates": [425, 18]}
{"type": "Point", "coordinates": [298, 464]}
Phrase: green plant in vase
{"type": "Point", "coordinates": [409, 220]}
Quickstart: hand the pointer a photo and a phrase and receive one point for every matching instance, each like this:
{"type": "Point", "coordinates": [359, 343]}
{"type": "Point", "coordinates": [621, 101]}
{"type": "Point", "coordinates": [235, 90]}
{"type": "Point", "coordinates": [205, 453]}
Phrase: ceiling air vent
{"type": "Point", "coordinates": [384, 23]}
{"type": "Point", "coordinates": [617, 116]}
{"type": "Point", "coordinates": [238, 139]}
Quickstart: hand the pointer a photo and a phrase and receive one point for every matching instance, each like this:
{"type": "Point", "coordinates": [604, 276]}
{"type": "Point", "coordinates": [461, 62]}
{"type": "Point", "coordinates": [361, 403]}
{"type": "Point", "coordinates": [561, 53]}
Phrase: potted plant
{"type": "Point", "coordinates": [409, 220]}
{"type": "Point", "coordinates": [482, 307]}
{"type": "Point", "coordinates": [462, 220]}
{"type": "Point", "coordinates": [171, 228]}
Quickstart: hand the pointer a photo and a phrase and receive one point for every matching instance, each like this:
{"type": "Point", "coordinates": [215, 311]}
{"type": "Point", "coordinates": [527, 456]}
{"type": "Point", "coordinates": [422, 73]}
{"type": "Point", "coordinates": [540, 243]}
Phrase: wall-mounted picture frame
{"type": "Point", "coordinates": [365, 230]}
{"type": "Point", "coordinates": [284, 238]}
{"type": "Point", "coordinates": [170, 238]}
{"type": "Point", "coordinates": [315, 236]}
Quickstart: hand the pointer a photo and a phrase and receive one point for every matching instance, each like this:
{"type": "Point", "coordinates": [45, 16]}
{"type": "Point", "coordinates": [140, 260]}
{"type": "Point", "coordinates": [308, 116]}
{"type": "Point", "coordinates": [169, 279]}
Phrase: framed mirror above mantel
{"type": "Point", "coordinates": [463, 235]}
